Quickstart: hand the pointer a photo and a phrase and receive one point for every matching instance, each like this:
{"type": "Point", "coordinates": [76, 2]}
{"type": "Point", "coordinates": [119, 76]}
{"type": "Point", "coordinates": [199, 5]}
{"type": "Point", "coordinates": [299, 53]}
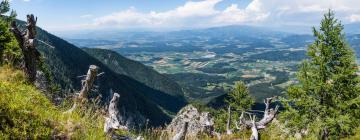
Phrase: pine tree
{"type": "Point", "coordinates": [9, 52]}
{"type": "Point", "coordinates": [239, 98]}
{"type": "Point", "coordinates": [326, 100]}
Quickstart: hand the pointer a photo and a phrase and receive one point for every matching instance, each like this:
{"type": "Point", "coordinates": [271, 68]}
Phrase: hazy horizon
{"type": "Point", "coordinates": [67, 17]}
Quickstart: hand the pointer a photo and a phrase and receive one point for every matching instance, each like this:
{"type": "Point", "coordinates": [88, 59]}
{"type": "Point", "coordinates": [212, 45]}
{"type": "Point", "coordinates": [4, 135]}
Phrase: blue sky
{"type": "Point", "coordinates": [79, 15]}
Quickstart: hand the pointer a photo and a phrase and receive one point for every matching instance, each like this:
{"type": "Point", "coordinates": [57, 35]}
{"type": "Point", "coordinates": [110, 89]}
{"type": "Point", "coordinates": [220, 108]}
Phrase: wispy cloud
{"type": "Point", "coordinates": [354, 18]}
{"type": "Point", "coordinates": [193, 14]}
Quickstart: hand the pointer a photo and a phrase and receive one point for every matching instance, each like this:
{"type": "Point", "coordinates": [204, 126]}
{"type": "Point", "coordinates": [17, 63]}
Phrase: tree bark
{"type": "Point", "coordinates": [254, 129]}
{"type": "Point", "coordinates": [269, 115]}
{"type": "Point", "coordinates": [228, 129]}
{"type": "Point", "coordinates": [112, 122]}
{"type": "Point", "coordinates": [86, 86]}
{"type": "Point", "coordinates": [26, 41]}
{"type": "Point", "coordinates": [88, 82]}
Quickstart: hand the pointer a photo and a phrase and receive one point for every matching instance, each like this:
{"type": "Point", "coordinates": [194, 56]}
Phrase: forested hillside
{"type": "Point", "coordinates": [143, 74]}
{"type": "Point", "coordinates": [67, 62]}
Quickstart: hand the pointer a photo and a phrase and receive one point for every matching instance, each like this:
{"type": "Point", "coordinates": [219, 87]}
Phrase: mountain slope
{"type": "Point", "coordinates": [143, 74]}
{"type": "Point", "coordinates": [26, 113]}
{"type": "Point", "coordinates": [66, 62]}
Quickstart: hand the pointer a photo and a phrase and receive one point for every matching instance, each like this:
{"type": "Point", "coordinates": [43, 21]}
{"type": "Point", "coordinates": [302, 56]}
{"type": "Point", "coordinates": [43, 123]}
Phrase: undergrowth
{"type": "Point", "coordinates": [26, 113]}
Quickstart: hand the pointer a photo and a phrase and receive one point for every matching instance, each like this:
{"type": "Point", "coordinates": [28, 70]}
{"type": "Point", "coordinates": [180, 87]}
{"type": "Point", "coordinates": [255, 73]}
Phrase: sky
{"type": "Point", "coordinates": [83, 15]}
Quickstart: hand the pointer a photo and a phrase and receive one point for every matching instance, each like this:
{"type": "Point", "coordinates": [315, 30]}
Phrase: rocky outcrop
{"type": "Point", "coordinates": [197, 122]}
{"type": "Point", "coordinates": [41, 82]}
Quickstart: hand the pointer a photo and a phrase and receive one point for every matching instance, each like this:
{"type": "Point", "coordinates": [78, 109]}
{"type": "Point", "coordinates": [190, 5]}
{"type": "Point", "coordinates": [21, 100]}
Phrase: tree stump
{"type": "Point", "coordinates": [112, 122]}
{"type": "Point", "coordinates": [88, 82]}
{"type": "Point", "coordinates": [26, 41]}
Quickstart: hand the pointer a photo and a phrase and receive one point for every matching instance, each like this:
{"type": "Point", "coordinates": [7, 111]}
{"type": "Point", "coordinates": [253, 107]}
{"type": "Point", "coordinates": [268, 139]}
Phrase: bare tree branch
{"type": "Point", "coordinates": [269, 115]}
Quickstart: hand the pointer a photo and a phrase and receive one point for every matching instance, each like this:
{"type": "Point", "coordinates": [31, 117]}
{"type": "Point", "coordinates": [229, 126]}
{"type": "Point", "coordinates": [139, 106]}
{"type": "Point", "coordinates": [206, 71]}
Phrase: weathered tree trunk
{"type": "Point", "coordinates": [182, 134]}
{"type": "Point", "coordinates": [86, 86]}
{"type": "Point", "coordinates": [112, 122]}
{"type": "Point", "coordinates": [26, 41]}
{"type": "Point", "coordinates": [269, 115]}
{"type": "Point", "coordinates": [254, 129]}
{"type": "Point", "coordinates": [228, 129]}
{"type": "Point", "coordinates": [88, 82]}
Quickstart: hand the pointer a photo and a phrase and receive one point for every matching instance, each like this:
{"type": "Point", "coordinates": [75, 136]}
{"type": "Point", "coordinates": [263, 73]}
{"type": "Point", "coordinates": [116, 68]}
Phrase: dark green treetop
{"type": "Point", "coordinates": [8, 48]}
{"type": "Point", "coordinates": [239, 98]}
{"type": "Point", "coordinates": [326, 99]}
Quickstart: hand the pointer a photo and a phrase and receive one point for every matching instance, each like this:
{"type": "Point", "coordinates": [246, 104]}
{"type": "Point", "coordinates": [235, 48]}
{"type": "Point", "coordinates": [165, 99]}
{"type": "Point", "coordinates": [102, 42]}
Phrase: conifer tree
{"type": "Point", "coordinates": [239, 98]}
{"type": "Point", "coordinates": [8, 47]}
{"type": "Point", "coordinates": [326, 99]}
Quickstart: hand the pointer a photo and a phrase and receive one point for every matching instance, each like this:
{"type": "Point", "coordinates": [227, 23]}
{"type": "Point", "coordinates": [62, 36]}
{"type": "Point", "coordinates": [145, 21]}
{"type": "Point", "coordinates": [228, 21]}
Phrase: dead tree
{"type": "Point", "coordinates": [112, 122]}
{"type": "Point", "coordinates": [86, 86]}
{"type": "Point", "coordinates": [88, 82]}
{"type": "Point", "coordinates": [269, 115]}
{"type": "Point", "coordinates": [26, 41]}
{"type": "Point", "coordinates": [182, 134]}
{"type": "Point", "coordinates": [228, 129]}
{"type": "Point", "coordinates": [255, 133]}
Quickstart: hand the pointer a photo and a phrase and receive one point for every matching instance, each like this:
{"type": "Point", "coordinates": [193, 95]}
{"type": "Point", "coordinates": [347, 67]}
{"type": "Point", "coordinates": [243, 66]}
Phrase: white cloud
{"type": "Point", "coordinates": [205, 14]}
{"type": "Point", "coordinates": [191, 14]}
{"type": "Point", "coordinates": [233, 15]}
{"type": "Point", "coordinates": [354, 18]}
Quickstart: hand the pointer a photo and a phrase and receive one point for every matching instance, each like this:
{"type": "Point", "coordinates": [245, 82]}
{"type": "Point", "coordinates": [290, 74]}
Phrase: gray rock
{"type": "Point", "coordinates": [198, 122]}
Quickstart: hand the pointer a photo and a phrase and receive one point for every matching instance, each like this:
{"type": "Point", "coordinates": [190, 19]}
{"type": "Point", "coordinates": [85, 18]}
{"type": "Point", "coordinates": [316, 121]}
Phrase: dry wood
{"type": "Point", "coordinates": [254, 129]}
{"type": "Point", "coordinates": [112, 122]}
{"type": "Point", "coordinates": [88, 82]}
{"type": "Point", "coordinates": [269, 115]}
{"type": "Point", "coordinates": [26, 41]}
{"type": "Point", "coordinates": [228, 129]}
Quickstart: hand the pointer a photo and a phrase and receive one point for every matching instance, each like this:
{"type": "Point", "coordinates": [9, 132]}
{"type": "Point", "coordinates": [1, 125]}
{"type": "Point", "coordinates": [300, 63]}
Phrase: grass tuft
{"type": "Point", "coordinates": [26, 113]}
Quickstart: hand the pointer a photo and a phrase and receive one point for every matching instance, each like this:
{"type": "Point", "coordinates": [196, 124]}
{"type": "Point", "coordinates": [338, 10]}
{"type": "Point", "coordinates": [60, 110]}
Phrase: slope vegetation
{"type": "Point", "coordinates": [66, 62]}
{"type": "Point", "coordinates": [143, 74]}
{"type": "Point", "coordinates": [26, 113]}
